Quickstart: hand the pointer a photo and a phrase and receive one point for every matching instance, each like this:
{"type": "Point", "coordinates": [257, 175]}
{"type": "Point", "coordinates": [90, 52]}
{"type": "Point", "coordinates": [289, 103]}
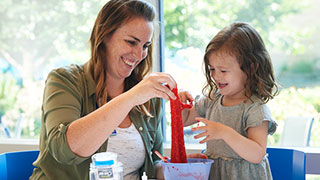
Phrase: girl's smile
{"type": "Point", "coordinates": [222, 85]}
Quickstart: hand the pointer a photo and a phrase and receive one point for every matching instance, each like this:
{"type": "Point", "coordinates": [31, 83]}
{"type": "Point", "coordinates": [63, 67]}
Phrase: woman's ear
{"type": "Point", "coordinates": [254, 66]}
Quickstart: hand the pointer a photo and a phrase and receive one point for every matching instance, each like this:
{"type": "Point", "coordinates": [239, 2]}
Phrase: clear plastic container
{"type": "Point", "coordinates": [105, 166]}
{"type": "Point", "coordinates": [194, 169]}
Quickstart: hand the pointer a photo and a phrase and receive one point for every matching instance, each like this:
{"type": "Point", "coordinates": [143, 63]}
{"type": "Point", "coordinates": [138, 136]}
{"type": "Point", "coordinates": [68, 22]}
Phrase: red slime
{"type": "Point", "coordinates": [178, 150]}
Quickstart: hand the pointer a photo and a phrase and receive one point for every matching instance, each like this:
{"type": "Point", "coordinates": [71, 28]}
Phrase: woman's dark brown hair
{"type": "Point", "coordinates": [244, 42]}
{"type": "Point", "coordinates": [113, 14]}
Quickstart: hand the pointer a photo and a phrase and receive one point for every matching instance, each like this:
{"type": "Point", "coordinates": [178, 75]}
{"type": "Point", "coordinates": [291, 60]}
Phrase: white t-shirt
{"type": "Point", "coordinates": [128, 144]}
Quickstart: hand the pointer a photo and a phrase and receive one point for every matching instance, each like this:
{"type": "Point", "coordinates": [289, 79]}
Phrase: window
{"type": "Point", "coordinates": [36, 37]}
{"type": "Point", "coordinates": [290, 30]}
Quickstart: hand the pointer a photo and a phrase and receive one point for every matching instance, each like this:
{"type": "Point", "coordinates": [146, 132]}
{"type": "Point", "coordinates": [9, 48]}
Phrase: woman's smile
{"type": "Point", "coordinates": [128, 62]}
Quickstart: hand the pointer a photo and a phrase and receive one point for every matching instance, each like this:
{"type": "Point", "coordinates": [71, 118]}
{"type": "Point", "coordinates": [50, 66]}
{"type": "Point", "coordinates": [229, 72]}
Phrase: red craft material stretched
{"type": "Point", "coordinates": [178, 150]}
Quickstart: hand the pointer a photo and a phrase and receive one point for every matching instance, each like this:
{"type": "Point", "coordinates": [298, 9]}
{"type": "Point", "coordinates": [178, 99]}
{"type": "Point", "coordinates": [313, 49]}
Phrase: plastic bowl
{"type": "Point", "coordinates": [198, 169]}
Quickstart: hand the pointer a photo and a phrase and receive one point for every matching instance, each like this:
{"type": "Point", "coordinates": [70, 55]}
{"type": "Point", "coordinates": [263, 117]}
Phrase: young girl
{"type": "Point", "coordinates": [240, 81]}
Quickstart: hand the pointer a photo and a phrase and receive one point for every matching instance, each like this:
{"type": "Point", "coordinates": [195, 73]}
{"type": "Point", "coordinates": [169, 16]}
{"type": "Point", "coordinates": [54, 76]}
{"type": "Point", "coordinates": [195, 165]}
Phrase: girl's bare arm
{"type": "Point", "coordinates": [188, 115]}
{"type": "Point", "coordinates": [252, 149]}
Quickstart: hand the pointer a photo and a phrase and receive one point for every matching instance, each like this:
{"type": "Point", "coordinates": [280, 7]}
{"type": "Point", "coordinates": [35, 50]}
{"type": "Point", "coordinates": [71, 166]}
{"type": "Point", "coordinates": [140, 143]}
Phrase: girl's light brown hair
{"type": "Point", "coordinates": [112, 15]}
{"type": "Point", "coordinates": [244, 42]}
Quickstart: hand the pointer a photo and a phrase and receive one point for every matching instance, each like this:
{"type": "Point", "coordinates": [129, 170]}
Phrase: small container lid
{"type": "Point", "coordinates": [104, 159]}
{"type": "Point", "coordinates": [104, 163]}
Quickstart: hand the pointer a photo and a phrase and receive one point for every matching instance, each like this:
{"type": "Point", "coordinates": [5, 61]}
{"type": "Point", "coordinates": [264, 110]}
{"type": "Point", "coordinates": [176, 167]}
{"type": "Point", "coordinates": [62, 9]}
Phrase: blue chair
{"type": "Point", "coordinates": [17, 165]}
{"type": "Point", "coordinates": [286, 163]}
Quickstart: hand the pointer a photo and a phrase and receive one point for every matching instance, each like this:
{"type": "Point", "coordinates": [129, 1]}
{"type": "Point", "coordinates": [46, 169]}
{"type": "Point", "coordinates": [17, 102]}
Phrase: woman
{"type": "Point", "coordinates": [84, 104]}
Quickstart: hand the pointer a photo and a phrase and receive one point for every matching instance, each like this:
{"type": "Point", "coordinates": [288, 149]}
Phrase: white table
{"type": "Point", "coordinates": [312, 158]}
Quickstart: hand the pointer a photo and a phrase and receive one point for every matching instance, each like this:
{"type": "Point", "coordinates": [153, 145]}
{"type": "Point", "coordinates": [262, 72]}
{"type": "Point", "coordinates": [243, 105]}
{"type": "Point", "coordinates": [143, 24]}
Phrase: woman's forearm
{"type": "Point", "coordinates": [88, 133]}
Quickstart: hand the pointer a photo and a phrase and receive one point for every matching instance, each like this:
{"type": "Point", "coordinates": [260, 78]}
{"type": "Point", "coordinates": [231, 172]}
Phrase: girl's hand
{"type": "Point", "coordinates": [185, 97]}
{"type": "Point", "coordinates": [212, 130]}
{"type": "Point", "coordinates": [155, 85]}
{"type": "Point", "coordinates": [251, 148]}
{"type": "Point", "coordinates": [188, 115]}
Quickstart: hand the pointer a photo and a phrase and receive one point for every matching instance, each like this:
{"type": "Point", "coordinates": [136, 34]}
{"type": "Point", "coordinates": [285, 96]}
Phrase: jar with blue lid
{"type": "Point", "coordinates": [105, 166]}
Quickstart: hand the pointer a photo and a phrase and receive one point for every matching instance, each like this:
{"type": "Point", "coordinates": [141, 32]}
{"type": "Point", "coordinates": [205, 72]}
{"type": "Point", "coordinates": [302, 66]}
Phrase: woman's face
{"type": "Point", "coordinates": [127, 47]}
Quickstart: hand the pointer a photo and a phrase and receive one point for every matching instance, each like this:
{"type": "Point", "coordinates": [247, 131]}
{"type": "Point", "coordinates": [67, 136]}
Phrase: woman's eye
{"type": "Point", "coordinates": [132, 43]}
{"type": "Point", "coordinates": [223, 71]}
{"type": "Point", "coordinates": [146, 46]}
{"type": "Point", "coordinates": [211, 69]}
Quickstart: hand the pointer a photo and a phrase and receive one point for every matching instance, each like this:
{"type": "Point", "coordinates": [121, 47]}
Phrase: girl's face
{"type": "Point", "coordinates": [127, 47]}
{"type": "Point", "coordinates": [227, 75]}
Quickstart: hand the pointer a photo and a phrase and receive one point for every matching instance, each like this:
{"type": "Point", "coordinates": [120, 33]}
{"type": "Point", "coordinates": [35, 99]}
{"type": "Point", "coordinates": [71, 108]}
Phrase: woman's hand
{"type": "Point", "coordinates": [212, 130]}
{"type": "Point", "coordinates": [197, 156]}
{"type": "Point", "coordinates": [160, 175]}
{"type": "Point", "coordinates": [155, 85]}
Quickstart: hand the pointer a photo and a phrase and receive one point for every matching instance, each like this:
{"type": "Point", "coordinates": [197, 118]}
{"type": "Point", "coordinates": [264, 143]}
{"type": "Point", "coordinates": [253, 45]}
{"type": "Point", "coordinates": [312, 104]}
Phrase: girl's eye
{"type": "Point", "coordinates": [211, 69]}
{"type": "Point", "coordinates": [223, 71]}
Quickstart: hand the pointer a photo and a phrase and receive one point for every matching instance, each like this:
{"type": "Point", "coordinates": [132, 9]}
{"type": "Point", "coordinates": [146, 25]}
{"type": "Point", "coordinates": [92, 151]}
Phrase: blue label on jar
{"type": "Point", "coordinates": [104, 163]}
